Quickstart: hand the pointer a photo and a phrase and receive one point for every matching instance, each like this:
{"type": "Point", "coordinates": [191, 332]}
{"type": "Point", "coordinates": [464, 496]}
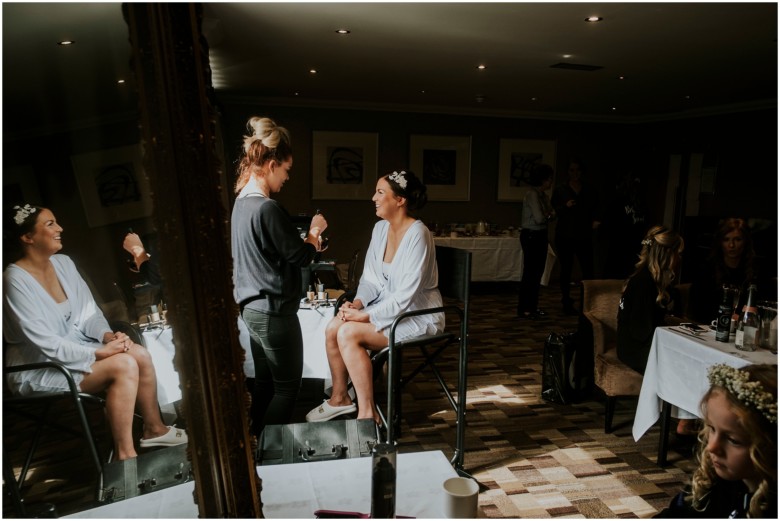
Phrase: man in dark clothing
{"type": "Point", "coordinates": [575, 205]}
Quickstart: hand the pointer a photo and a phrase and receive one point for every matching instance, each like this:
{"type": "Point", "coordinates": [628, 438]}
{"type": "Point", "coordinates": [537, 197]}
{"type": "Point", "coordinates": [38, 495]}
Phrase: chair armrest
{"type": "Point", "coordinates": [418, 312]}
{"type": "Point", "coordinates": [599, 333]}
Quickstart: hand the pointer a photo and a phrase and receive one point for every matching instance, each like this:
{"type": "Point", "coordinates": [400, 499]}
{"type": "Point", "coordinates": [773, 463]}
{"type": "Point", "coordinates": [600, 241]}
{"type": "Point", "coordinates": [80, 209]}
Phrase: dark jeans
{"type": "Point", "coordinates": [566, 249]}
{"type": "Point", "coordinates": [277, 349]}
{"type": "Point", "coordinates": [534, 244]}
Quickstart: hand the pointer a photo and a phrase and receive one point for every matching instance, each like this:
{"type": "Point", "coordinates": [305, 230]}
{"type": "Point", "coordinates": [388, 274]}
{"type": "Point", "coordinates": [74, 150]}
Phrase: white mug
{"type": "Point", "coordinates": [322, 295]}
{"type": "Point", "coordinates": [461, 498]}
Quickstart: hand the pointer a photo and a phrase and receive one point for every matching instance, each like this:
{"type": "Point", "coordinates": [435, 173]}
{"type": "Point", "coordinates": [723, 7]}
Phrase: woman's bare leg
{"type": "Point", "coordinates": [146, 400]}
{"type": "Point", "coordinates": [338, 370]}
{"type": "Point", "coordinates": [118, 377]}
{"type": "Point", "coordinates": [353, 340]}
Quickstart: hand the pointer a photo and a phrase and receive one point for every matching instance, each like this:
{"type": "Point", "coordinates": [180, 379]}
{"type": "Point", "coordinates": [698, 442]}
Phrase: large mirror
{"type": "Point", "coordinates": [83, 134]}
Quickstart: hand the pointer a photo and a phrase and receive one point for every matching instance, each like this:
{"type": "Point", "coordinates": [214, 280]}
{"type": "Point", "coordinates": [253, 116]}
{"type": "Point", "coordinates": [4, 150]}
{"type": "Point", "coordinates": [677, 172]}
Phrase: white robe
{"type": "Point", "coordinates": [35, 329]}
{"type": "Point", "coordinates": [410, 282]}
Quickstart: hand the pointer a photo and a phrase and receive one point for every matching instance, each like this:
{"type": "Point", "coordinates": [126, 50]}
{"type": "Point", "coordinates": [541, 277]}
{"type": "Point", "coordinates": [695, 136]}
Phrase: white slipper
{"type": "Point", "coordinates": [173, 437]}
{"type": "Point", "coordinates": [327, 411]}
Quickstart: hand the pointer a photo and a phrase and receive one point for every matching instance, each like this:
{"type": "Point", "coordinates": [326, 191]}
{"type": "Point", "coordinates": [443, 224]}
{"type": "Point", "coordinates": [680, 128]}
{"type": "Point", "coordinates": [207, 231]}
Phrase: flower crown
{"type": "Point", "coordinates": [399, 178]}
{"type": "Point", "coordinates": [647, 242]}
{"type": "Point", "coordinates": [751, 394]}
{"type": "Point", "coordinates": [23, 212]}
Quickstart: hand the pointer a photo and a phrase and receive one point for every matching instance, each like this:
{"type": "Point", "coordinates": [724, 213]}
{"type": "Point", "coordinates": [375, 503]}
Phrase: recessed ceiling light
{"type": "Point", "coordinates": [66, 42]}
{"type": "Point", "coordinates": [481, 67]}
{"type": "Point", "coordinates": [621, 77]}
{"type": "Point", "coordinates": [614, 108]}
{"type": "Point", "coordinates": [343, 31]}
{"type": "Point", "coordinates": [312, 71]}
{"type": "Point", "coordinates": [533, 99]}
{"type": "Point", "coordinates": [687, 96]}
{"type": "Point", "coordinates": [297, 93]}
{"type": "Point", "coordinates": [120, 81]}
{"type": "Point", "coordinates": [422, 92]}
{"type": "Point", "coordinates": [593, 19]}
{"type": "Point", "coordinates": [567, 56]}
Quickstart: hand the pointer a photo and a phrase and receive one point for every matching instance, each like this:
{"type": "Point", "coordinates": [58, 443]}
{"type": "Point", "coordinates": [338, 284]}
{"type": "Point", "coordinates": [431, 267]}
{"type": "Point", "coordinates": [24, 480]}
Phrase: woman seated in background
{"type": "Point", "coordinates": [648, 296]}
{"type": "Point", "coordinates": [50, 315]}
{"type": "Point", "coordinates": [730, 262]}
{"type": "Point", "coordinates": [650, 300]}
{"type": "Point", "coordinates": [400, 274]}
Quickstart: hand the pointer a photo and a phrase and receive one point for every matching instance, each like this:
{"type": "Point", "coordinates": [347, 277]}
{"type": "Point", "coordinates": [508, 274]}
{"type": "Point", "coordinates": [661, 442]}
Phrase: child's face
{"type": "Point", "coordinates": [728, 442]}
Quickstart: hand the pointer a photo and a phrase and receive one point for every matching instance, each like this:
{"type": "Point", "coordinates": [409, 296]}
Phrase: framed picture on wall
{"type": "Point", "coordinates": [344, 165]}
{"type": "Point", "coordinates": [444, 165]}
{"type": "Point", "coordinates": [517, 158]}
{"type": "Point", "coordinates": [113, 185]}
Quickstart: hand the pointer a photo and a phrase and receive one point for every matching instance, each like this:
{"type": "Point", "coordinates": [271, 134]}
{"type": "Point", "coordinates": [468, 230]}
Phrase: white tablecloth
{"type": "Point", "coordinates": [159, 342]}
{"type": "Point", "coordinates": [495, 259]}
{"type": "Point", "coordinates": [315, 361]}
{"type": "Point", "coordinates": [296, 491]}
{"type": "Point", "coordinates": [677, 372]}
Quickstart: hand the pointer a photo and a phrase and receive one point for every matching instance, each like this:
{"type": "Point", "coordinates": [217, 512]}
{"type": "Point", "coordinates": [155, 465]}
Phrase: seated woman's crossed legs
{"type": "Point", "coordinates": [129, 381]}
{"type": "Point", "coordinates": [346, 344]}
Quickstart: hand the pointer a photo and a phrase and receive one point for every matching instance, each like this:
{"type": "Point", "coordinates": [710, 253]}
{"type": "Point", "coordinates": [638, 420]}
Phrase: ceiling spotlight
{"type": "Point", "coordinates": [312, 71]}
{"type": "Point", "coordinates": [567, 56]}
{"type": "Point", "coordinates": [343, 31]}
{"type": "Point", "coordinates": [533, 99]}
{"type": "Point", "coordinates": [593, 19]}
{"type": "Point", "coordinates": [614, 108]}
{"type": "Point", "coordinates": [297, 93]}
{"type": "Point", "coordinates": [687, 96]}
{"type": "Point", "coordinates": [621, 77]}
{"type": "Point", "coordinates": [66, 42]}
{"type": "Point", "coordinates": [481, 67]}
{"type": "Point", "coordinates": [120, 81]}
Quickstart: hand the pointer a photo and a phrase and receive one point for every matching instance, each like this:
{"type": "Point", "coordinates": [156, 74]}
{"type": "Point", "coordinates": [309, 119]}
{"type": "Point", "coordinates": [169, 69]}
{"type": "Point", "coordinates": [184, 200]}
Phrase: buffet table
{"type": "Point", "coordinates": [495, 258]}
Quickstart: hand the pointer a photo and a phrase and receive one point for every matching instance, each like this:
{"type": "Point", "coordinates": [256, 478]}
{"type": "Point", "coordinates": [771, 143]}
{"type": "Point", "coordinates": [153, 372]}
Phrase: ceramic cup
{"type": "Point", "coordinates": [460, 498]}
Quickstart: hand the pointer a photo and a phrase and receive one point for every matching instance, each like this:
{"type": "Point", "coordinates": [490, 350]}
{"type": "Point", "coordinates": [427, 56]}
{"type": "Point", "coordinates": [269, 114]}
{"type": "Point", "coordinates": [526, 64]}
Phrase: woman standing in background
{"type": "Point", "coordinates": [268, 254]}
{"type": "Point", "coordinates": [537, 213]}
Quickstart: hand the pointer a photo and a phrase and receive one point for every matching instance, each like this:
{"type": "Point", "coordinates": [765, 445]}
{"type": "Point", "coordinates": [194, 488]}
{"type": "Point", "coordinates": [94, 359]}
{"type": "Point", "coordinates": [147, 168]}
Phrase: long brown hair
{"type": "Point", "coordinates": [660, 247]}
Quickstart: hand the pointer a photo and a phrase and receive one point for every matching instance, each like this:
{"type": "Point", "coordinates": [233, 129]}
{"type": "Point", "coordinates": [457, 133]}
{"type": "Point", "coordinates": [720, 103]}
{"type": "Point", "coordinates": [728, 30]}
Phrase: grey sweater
{"type": "Point", "coordinates": [268, 254]}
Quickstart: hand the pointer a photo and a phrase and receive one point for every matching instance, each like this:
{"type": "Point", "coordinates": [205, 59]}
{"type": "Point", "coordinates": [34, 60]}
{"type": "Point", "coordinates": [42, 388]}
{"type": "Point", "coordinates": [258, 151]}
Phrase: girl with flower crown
{"type": "Point", "coordinates": [50, 314]}
{"type": "Point", "coordinates": [737, 473]}
{"type": "Point", "coordinates": [400, 274]}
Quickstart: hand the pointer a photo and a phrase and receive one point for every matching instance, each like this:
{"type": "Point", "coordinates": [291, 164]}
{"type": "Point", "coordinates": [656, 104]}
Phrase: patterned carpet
{"type": "Point", "coordinates": [535, 459]}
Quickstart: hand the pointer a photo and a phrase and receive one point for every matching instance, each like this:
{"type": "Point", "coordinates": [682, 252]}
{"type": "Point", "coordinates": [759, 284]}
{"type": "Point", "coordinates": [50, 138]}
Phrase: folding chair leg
{"type": "Point", "coordinates": [609, 412]}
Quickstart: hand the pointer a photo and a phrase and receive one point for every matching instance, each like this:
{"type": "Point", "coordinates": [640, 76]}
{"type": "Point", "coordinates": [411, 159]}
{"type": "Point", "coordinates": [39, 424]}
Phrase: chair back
{"type": "Point", "coordinates": [352, 271]}
{"type": "Point", "coordinates": [454, 265]}
{"type": "Point", "coordinates": [601, 299]}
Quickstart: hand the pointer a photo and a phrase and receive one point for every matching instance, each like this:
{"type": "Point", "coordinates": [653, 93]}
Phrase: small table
{"type": "Point", "coordinates": [295, 491]}
{"type": "Point", "coordinates": [315, 360]}
{"type": "Point", "coordinates": [159, 343]}
{"type": "Point", "coordinates": [676, 375]}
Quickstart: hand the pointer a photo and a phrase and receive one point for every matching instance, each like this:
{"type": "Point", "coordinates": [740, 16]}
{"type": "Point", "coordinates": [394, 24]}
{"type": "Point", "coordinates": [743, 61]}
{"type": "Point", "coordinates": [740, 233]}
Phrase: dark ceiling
{"type": "Point", "coordinates": [676, 59]}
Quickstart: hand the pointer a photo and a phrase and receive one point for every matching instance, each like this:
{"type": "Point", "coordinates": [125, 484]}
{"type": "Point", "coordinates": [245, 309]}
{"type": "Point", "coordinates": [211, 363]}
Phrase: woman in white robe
{"type": "Point", "coordinates": [399, 275]}
{"type": "Point", "coordinates": [50, 314]}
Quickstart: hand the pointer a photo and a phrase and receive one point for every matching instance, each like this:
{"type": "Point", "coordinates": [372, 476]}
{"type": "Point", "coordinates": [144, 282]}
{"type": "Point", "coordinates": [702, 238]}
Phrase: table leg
{"type": "Point", "coordinates": [663, 439]}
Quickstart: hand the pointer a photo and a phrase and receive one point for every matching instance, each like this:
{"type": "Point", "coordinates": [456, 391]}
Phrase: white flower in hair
{"type": "Point", "coordinates": [23, 212]}
{"type": "Point", "coordinates": [750, 393]}
{"type": "Point", "coordinates": [399, 178]}
{"type": "Point", "coordinates": [647, 242]}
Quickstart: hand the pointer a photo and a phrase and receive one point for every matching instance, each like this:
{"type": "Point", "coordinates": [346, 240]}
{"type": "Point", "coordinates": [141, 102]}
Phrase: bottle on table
{"type": "Point", "coordinates": [748, 323]}
{"type": "Point", "coordinates": [383, 481]}
{"type": "Point", "coordinates": [725, 310]}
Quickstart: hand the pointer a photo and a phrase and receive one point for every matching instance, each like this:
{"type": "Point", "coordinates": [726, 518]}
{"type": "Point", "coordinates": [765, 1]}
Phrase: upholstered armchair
{"type": "Point", "coordinates": [600, 306]}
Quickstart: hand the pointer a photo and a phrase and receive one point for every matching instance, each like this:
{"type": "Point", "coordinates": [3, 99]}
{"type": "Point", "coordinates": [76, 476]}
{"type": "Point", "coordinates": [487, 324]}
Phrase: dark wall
{"type": "Point", "coordinates": [746, 182]}
{"type": "Point", "coordinates": [745, 144]}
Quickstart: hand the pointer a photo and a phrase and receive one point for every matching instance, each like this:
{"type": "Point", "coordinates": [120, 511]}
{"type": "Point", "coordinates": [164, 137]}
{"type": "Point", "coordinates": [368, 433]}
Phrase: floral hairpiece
{"type": "Point", "coordinates": [751, 394]}
{"type": "Point", "coordinates": [647, 242]}
{"type": "Point", "coordinates": [399, 178]}
{"type": "Point", "coordinates": [23, 212]}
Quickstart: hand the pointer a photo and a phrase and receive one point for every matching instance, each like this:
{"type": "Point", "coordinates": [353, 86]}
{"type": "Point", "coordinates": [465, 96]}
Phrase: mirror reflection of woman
{"type": "Point", "coordinates": [50, 314]}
